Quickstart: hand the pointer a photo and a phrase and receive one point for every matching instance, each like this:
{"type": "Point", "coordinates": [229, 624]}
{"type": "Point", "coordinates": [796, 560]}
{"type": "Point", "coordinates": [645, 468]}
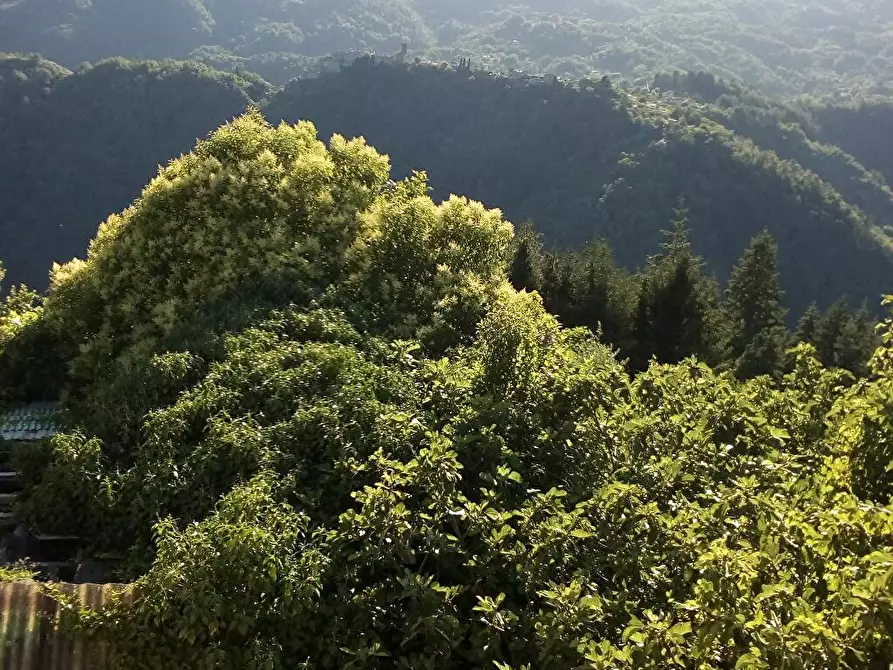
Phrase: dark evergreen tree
{"type": "Point", "coordinates": [807, 326]}
{"type": "Point", "coordinates": [828, 331]}
{"type": "Point", "coordinates": [754, 311]}
{"type": "Point", "coordinates": [843, 337]}
{"type": "Point", "coordinates": [856, 342]}
{"type": "Point", "coordinates": [678, 313]}
{"type": "Point", "coordinates": [558, 284]}
{"type": "Point", "coordinates": [526, 270]}
{"type": "Point", "coordinates": [603, 296]}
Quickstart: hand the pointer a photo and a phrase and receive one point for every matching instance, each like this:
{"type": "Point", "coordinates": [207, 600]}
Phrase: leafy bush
{"type": "Point", "coordinates": [29, 358]}
{"type": "Point", "coordinates": [868, 433]}
{"type": "Point", "coordinates": [522, 502]}
{"type": "Point", "coordinates": [409, 464]}
{"type": "Point", "coordinates": [12, 574]}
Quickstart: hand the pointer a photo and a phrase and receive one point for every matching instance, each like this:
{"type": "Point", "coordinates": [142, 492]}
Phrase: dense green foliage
{"type": "Point", "coordinates": [9, 575]}
{"type": "Point", "coordinates": [29, 366]}
{"type": "Point", "coordinates": [379, 454]}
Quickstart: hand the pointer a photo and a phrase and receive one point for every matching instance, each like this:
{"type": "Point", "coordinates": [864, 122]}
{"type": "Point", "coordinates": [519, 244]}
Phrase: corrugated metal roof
{"type": "Point", "coordinates": [29, 423]}
{"type": "Point", "coordinates": [30, 638]}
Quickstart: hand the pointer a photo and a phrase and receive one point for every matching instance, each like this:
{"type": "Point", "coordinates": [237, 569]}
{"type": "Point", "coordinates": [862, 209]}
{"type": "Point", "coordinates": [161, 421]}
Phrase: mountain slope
{"type": "Point", "coordinates": [803, 133]}
{"type": "Point", "coordinates": [72, 31]}
{"type": "Point", "coordinates": [84, 147]}
{"type": "Point", "coordinates": [786, 47]}
{"type": "Point", "coordinates": [602, 162]}
{"type": "Point", "coordinates": [865, 131]}
{"type": "Point", "coordinates": [583, 162]}
{"type": "Point", "coordinates": [826, 48]}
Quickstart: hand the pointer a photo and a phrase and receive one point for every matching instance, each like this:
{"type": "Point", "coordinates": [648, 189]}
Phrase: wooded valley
{"type": "Point", "coordinates": [413, 334]}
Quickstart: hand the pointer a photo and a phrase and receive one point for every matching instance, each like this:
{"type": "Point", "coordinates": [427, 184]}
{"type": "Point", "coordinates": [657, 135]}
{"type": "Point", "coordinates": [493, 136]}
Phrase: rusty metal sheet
{"type": "Point", "coordinates": [30, 638]}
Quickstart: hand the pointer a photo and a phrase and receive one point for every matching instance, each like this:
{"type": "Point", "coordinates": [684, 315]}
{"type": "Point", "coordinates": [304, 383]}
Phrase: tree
{"type": "Point", "coordinates": [678, 312]}
{"type": "Point", "coordinates": [558, 283]}
{"type": "Point", "coordinates": [30, 368]}
{"type": "Point", "coordinates": [603, 295]}
{"type": "Point", "coordinates": [856, 342]}
{"type": "Point", "coordinates": [843, 338]}
{"type": "Point", "coordinates": [808, 326]}
{"type": "Point", "coordinates": [828, 331]}
{"type": "Point", "coordinates": [526, 269]}
{"type": "Point", "coordinates": [18, 308]}
{"type": "Point", "coordinates": [754, 311]}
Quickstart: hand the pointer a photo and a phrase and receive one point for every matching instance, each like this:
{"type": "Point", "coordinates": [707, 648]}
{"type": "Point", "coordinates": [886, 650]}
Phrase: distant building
{"type": "Point", "coordinates": [29, 423]}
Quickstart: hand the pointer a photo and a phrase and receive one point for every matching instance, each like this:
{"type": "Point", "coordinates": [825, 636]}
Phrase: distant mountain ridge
{"type": "Point", "coordinates": [599, 161]}
{"type": "Point", "coordinates": [583, 161]}
{"type": "Point", "coordinates": [836, 49]}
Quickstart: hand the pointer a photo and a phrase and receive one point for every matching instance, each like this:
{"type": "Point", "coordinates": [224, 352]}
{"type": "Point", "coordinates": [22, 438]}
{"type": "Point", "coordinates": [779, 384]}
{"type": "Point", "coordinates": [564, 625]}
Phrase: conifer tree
{"type": "Point", "coordinates": [843, 338]}
{"type": "Point", "coordinates": [828, 331]}
{"type": "Point", "coordinates": [807, 326]}
{"type": "Point", "coordinates": [558, 283]}
{"type": "Point", "coordinates": [856, 342]}
{"type": "Point", "coordinates": [592, 286]}
{"type": "Point", "coordinates": [526, 269]}
{"type": "Point", "coordinates": [678, 312]}
{"type": "Point", "coordinates": [603, 295]}
{"type": "Point", "coordinates": [753, 307]}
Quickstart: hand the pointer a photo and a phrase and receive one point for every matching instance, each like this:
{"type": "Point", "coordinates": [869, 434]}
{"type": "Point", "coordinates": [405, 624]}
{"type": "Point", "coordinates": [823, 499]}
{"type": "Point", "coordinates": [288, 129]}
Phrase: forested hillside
{"type": "Point", "coordinates": [306, 411]}
{"type": "Point", "coordinates": [583, 161]}
{"type": "Point", "coordinates": [79, 146]}
{"type": "Point", "coordinates": [786, 47]}
{"type": "Point", "coordinates": [849, 147]}
{"type": "Point", "coordinates": [826, 48]}
{"type": "Point", "coordinates": [597, 161]}
{"type": "Point", "coordinates": [569, 359]}
{"type": "Point", "coordinates": [865, 131]}
{"type": "Point", "coordinates": [72, 31]}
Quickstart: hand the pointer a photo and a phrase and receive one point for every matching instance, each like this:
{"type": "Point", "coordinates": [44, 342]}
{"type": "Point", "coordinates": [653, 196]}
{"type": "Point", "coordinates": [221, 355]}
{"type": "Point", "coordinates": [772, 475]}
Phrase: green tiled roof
{"type": "Point", "coordinates": [29, 423]}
